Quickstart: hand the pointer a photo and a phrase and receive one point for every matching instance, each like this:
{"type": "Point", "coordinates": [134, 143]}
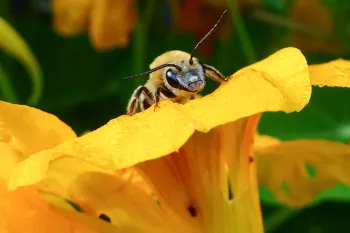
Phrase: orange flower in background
{"type": "Point", "coordinates": [109, 22]}
{"type": "Point", "coordinates": [199, 16]}
{"type": "Point", "coordinates": [315, 16]}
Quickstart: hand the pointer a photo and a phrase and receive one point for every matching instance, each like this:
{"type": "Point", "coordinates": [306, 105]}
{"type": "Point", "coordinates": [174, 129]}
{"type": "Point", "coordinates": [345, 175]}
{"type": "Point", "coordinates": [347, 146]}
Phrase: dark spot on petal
{"type": "Point", "coordinates": [193, 210]}
{"type": "Point", "coordinates": [75, 206]}
{"type": "Point", "coordinates": [251, 159]}
{"type": "Point", "coordinates": [230, 193]}
{"type": "Point", "coordinates": [104, 217]}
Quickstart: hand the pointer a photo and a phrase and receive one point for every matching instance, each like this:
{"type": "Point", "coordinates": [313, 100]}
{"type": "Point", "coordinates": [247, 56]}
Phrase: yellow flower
{"type": "Point", "coordinates": [183, 153]}
{"type": "Point", "coordinates": [305, 167]}
{"type": "Point", "coordinates": [180, 156]}
{"type": "Point", "coordinates": [109, 22]}
{"type": "Point", "coordinates": [24, 131]}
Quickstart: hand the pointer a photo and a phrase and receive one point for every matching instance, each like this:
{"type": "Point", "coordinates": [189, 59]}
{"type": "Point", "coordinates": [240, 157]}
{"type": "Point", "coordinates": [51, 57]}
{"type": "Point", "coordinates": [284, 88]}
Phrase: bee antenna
{"type": "Point", "coordinates": [205, 37]}
{"type": "Point", "coordinates": [154, 69]}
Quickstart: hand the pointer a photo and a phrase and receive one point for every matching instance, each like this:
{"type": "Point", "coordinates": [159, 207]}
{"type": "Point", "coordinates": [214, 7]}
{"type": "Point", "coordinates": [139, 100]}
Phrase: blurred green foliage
{"type": "Point", "coordinates": [85, 88]}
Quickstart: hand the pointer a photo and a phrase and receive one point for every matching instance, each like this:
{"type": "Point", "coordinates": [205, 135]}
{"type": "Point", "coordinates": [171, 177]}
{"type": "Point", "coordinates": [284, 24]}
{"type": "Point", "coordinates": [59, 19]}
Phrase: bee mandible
{"type": "Point", "coordinates": [180, 82]}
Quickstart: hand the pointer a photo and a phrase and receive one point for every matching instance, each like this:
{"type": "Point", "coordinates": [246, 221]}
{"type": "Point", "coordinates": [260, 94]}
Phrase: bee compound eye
{"type": "Point", "coordinates": [169, 73]}
{"type": "Point", "coordinates": [171, 78]}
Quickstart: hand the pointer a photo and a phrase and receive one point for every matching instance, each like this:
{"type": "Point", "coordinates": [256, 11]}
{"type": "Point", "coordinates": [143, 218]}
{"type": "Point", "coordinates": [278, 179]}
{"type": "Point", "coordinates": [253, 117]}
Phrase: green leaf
{"type": "Point", "coordinates": [340, 192]}
{"type": "Point", "coordinates": [15, 45]}
{"type": "Point", "coordinates": [327, 116]}
{"type": "Point", "coordinates": [6, 90]}
{"type": "Point", "coordinates": [268, 197]}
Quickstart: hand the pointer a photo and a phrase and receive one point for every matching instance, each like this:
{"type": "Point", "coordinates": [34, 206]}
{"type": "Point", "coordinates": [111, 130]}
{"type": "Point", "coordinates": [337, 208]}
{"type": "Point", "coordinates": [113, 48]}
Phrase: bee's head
{"type": "Point", "coordinates": [183, 75]}
{"type": "Point", "coordinates": [182, 71]}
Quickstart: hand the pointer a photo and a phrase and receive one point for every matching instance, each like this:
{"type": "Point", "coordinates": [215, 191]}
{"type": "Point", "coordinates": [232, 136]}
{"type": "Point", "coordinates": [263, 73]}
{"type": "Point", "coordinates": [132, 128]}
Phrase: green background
{"type": "Point", "coordinates": [85, 88]}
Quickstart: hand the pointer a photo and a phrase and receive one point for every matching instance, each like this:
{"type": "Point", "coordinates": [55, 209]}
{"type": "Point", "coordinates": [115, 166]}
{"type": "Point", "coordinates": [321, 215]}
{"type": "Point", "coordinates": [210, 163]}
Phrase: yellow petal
{"type": "Point", "coordinates": [296, 171]}
{"type": "Point", "coordinates": [263, 141]}
{"type": "Point", "coordinates": [9, 158]}
{"type": "Point", "coordinates": [91, 222]}
{"type": "Point", "coordinates": [63, 173]}
{"type": "Point", "coordinates": [57, 201]}
{"type": "Point", "coordinates": [127, 206]}
{"type": "Point", "coordinates": [25, 211]}
{"type": "Point", "coordinates": [133, 175]}
{"type": "Point", "coordinates": [71, 17]}
{"type": "Point", "coordinates": [280, 82]}
{"type": "Point", "coordinates": [14, 44]}
{"type": "Point", "coordinates": [111, 23]}
{"type": "Point", "coordinates": [334, 74]}
{"type": "Point", "coordinates": [115, 143]}
{"type": "Point", "coordinates": [236, 145]}
{"type": "Point", "coordinates": [196, 178]}
{"type": "Point", "coordinates": [28, 130]}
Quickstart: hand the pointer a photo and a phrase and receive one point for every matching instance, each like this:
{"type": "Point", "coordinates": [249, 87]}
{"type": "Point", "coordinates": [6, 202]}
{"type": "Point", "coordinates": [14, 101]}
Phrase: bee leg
{"type": "Point", "coordinates": [134, 101]}
{"type": "Point", "coordinates": [195, 96]}
{"type": "Point", "coordinates": [157, 98]}
{"type": "Point", "coordinates": [148, 100]}
{"type": "Point", "coordinates": [213, 73]}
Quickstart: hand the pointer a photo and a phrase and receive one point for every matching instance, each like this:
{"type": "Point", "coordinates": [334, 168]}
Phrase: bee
{"type": "Point", "coordinates": [175, 75]}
